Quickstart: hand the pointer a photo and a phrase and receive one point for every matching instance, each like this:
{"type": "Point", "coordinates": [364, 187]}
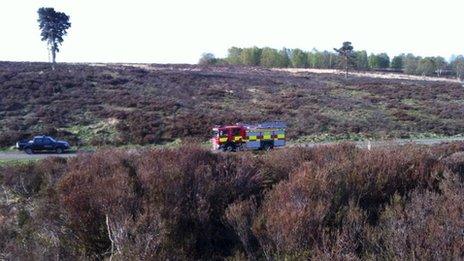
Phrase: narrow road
{"type": "Point", "coordinates": [384, 143]}
{"type": "Point", "coordinates": [19, 155]}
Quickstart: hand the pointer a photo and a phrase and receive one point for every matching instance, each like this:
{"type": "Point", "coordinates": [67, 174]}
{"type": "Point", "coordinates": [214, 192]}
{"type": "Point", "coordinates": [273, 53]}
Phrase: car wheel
{"type": "Point", "coordinates": [29, 151]}
{"type": "Point", "coordinates": [59, 150]}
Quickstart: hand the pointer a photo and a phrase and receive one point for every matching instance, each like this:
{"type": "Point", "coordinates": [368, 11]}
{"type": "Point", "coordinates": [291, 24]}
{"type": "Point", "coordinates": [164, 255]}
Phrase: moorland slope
{"type": "Point", "coordinates": [139, 104]}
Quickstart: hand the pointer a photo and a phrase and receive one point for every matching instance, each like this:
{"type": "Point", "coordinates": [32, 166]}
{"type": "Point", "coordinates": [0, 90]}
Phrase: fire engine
{"type": "Point", "coordinates": [264, 136]}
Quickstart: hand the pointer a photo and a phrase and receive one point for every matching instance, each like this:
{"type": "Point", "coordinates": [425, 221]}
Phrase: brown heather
{"type": "Point", "coordinates": [330, 202]}
{"type": "Point", "coordinates": [114, 104]}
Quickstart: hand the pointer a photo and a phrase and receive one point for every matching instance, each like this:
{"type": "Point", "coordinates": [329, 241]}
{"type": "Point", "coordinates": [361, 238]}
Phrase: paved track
{"type": "Point", "coordinates": [385, 143]}
{"type": "Point", "coordinates": [19, 155]}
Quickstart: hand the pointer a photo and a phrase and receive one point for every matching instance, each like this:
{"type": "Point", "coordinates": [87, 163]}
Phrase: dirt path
{"type": "Point", "coordinates": [382, 75]}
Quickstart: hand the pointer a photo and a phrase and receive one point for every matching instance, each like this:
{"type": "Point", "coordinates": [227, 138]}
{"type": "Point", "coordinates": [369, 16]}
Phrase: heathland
{"type": "Point", "coordinates": [188, 203]}
{"type": "Point", "coordinates": [156, 104]}
{"type": "Point", "coordinates": [331, 202]}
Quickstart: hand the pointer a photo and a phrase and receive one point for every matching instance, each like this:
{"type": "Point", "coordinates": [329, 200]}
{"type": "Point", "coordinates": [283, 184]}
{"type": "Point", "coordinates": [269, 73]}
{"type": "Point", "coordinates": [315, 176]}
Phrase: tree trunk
{"type": "Point", "coordinates": [346, 68]}
{"type": "Point", "coordinates": [53, 58]}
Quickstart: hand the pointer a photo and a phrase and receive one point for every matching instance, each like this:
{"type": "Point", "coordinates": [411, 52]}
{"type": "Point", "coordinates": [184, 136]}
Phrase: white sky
{"type": "Point", "coordinates": [179, 31]}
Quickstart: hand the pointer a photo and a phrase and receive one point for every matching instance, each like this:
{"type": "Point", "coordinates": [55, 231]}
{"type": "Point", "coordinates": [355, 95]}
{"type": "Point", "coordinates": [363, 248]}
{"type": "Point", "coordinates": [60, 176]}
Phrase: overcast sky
{"type": "Point", "coordinates": [178, 31]}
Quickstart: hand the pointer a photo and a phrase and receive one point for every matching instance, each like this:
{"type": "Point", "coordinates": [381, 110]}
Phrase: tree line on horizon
{"type": "Point", "coordinates": [359, 60]}
{"type": "Point", "coordinates": [54, 26]}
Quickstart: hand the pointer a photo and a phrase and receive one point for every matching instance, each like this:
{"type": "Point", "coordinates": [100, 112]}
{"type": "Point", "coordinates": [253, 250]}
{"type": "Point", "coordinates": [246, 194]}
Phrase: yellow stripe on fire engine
{"type": "Point", "coordinates": [237, 138]}
{"type": "Point", "coordinates": [267, 136]}
{"type": "Point", "coordinates": [223, 139]}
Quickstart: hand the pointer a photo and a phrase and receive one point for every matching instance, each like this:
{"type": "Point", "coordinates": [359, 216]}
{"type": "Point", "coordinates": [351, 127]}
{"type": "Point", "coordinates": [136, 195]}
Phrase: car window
{"type": "Point", "coordinates": [48, 141]}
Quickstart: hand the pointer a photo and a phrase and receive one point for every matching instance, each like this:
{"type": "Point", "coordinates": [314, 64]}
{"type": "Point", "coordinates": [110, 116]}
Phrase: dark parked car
{"type": "Point", "coordinates": [42, 143]}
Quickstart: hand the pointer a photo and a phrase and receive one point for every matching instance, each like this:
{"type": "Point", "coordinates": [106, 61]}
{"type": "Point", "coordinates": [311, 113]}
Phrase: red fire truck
{"type": "Point", "coordinates": [264, 136]}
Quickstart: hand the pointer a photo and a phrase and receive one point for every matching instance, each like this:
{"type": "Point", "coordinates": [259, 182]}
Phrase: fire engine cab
{"type": "Point", "coordinates": [264, 136]}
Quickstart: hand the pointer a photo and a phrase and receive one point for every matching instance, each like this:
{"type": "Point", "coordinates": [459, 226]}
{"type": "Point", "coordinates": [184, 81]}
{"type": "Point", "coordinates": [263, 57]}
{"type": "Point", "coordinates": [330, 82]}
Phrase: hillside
{"type": "Point", "coordinates": [139, 104]}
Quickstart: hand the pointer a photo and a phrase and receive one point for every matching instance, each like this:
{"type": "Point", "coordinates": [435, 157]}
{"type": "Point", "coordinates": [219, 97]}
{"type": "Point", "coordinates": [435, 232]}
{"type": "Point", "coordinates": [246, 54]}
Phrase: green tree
{"type": "Point", "coordinates": [361, 60]}
{"type": "Point", "coordinates": [397, 62]}
{"type": "Point", "coordinates": [233, 55]}
{"type": "Point", "coordinates": [383, 60]}
{"type": "Point", "coordinates": [310, 58]}
{"type": "Point", "coordinates": [329, 60]}
{"type": "Point", "coordinates": [457, 64]}
{"type": "Point", "coordinates": [373, 61]}
{"type": "Point", "coordinates": [207, 59]}
{"type": "Point", "coordinates": [410, 64]}
{"type": "Point", "coordinates": [322, 60]}
{"type": "Point", "coordinates": [284, 57]}
{"type": "Point", "coordinates": [270, 58]}
{"type": "Point", "coordinates": [298, 58]}
{"type": "Point", "coordinates": [53, 26]}
{"type": "Point", "coordinates": [346, 55]}
{"type": "Point", "coordinates": [251, 56]}
{"type": "Point", "coordinates": [426, 66]}
{"type": "Point", "coordinates": [440, 64]}
{"type": "Point", "coordinates": [315, 59]}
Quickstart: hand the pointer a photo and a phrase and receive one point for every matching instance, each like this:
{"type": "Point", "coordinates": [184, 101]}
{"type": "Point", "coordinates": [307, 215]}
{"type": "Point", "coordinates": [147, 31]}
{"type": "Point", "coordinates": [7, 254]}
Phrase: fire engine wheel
{"type": "Point", "coordinates": [229, 148]}
{"type": "Point", "coordinates": [267, 147]}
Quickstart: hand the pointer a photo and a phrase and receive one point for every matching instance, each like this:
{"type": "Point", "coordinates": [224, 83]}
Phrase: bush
{"type": "Point", "coordinates": [429, 226]}
{"type": "Point", "coordinates": [329, 202]}
{"type": "Point", "coordinates": [305, 214]}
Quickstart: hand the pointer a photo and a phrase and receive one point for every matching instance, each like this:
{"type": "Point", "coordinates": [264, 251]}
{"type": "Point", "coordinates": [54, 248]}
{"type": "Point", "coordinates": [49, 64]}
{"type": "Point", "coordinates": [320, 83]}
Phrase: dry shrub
{"type": "Point", "coordinates": [428, 227]}
{"type": "Point", "coordinates": [191, 188]}
{"type": "Point", "coordinates": [292, 216]}
{"type": "Point", "coordinates": [347, 242]}
{"type": "Point", "coordinates": [330, 202]}
{"type": "Point", "coordinates": [240, 216]}
{"type": "Point", "coordinates": [277, 166]}
{"type": "Point", "coordinates": [28, 179]}
{"type": "Point", "coordinates": [299, 214]}
{"type": "Point", "coordinates": [157, 203]}
{"type": "Point", "coordinates": [31, 220]}
{"type": "Point", "coordinates": [95, 185]}
{"type": "Point", "coordinates": [455, 163]}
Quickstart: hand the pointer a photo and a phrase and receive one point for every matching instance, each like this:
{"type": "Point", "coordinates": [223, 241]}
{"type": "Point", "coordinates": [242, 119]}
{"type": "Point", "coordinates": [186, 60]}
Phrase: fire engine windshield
{"type": "Point", "coordinates": [214, 133]}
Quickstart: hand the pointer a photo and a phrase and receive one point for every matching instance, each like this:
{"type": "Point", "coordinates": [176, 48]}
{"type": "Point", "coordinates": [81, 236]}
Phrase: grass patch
{"type": "Point", "coordinates": [16, 162]}
{"type": "Point", "coordinates": [410, 102]}
{"type": "Point", "coordinates": [349, 93]}
{"type": "Point", "coordinates": [103, 130]}
{"type": "Point", "coordinates": [7, 149]}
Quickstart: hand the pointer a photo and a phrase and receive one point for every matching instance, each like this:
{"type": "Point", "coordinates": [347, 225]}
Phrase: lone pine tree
{"type": "Point", "coordinates": [53, 26]}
